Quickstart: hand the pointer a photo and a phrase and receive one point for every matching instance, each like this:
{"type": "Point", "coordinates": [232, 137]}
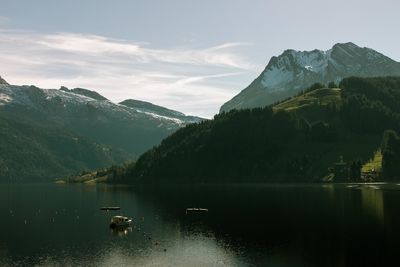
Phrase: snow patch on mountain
{"type": "Point", "coordinates": [34, 97]}
{"type": "Point", "coordinates": [276, 76]}
{"type": "Point", "coordinates": [2, 81]}
{"type": "Point", "coordinates": [66, 97]}
{"type": "Point", "coordinates": [160, 117]}
{"type": "Point", "coordinates": [4, 99]}
{"type": "Point", "coordinates": [315, 61]}
{"type": "Point", "coordinates": [14, 94]}
{"type": "Point", "coordinates": [287, 74]}
{"type": "Point", "coordinates": [292, 64]}
{"type": "Point", "coordinates": [289, 66]}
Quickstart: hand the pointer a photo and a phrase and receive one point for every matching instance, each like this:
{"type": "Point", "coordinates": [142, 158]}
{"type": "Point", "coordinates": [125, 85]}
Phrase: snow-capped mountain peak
{"type": "Point", "coordinates": [84, 113]}
{"type": "Point", "coordinates": [84, 92]}
{"type": "Point", "coordinates": [72, 100]}
{"type": "Point", "coordinates": [293, 70]}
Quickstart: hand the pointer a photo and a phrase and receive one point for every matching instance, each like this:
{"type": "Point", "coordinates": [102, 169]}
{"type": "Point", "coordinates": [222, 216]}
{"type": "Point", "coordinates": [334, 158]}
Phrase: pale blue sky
{"type": "Point", "coordinates": [187, 55]}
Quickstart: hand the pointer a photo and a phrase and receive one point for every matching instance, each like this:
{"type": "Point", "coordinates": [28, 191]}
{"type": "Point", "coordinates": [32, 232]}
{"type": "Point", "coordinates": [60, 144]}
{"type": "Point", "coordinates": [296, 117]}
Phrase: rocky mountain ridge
{"type": "Point", "coordinates": [293, 71]}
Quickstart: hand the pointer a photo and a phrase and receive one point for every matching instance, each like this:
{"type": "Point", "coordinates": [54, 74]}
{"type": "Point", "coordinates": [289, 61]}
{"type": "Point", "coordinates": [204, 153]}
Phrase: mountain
{"type": "Point", "coordinates": [64, 131]}
{"type": "Point", "coordinates": [84, 92]}
{"type": "Point", "coordinates": [2, 81]}
{"type": "Point", "coordinates": [158, 111]}
{"type": "Point", "coordinates": [293, 71]}
{"type": "Point", "coordinates": [297, 140]}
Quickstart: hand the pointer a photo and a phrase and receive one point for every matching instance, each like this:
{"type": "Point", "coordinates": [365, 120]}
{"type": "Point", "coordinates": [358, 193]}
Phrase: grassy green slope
{"type": "Point", "coordinates": [321, 96]}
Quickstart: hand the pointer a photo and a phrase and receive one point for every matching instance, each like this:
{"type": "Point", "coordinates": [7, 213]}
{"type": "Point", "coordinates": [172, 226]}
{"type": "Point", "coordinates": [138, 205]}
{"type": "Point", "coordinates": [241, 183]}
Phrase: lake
{"type": "Point", "coordinates": [246, 225]}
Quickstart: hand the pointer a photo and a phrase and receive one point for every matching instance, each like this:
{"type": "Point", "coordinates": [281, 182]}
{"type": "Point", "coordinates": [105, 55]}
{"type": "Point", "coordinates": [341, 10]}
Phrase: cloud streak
{"type": "Point", "coordinates": [192, 80]}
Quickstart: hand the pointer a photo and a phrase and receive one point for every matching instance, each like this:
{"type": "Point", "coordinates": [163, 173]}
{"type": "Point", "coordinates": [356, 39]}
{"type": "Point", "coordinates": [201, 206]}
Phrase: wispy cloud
{"type": "Point", "coordinates": [193, 80]}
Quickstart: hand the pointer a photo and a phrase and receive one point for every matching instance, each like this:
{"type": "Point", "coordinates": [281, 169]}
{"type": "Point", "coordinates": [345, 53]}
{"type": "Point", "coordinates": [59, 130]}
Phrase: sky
{"type": "Point", "coordinates": [186, 55]}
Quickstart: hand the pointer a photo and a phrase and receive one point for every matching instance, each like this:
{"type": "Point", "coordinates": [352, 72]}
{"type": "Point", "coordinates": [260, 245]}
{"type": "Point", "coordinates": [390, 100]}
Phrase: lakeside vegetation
{"type": "Point", "coordinates": [111, 174]}
{"type": "Point", "coordinates": [374, 164]}
{"type": "Point", "coordinates": [297, 140]}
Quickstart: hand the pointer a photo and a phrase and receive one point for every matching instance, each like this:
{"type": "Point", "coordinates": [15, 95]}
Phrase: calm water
{"type": "Point", "coordinates": [267, 225]}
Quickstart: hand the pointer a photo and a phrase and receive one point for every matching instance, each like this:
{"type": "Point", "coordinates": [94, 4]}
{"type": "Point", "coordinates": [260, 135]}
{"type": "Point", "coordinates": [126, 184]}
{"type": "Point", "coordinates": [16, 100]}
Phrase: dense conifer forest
{"type": "Point", "coordinates": [296, 140]}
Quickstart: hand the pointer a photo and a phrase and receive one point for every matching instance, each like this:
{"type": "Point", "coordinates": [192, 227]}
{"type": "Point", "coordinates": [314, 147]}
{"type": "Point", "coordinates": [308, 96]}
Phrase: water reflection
{"type": "Point", "coordinates": [121, 231]}
{"type": "Point", "coordinates": [373, 202]}
{"type": "Point", "coordinates": [263, 225]}
{"type": "Point", "coordinates": [189, 251]}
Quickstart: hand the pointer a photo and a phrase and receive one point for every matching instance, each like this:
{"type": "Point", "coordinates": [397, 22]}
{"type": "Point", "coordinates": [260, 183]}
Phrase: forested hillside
{"type": "Point", "coordinates": [48, 133]}
{"type": "Point", "coordinates": [297, 140]}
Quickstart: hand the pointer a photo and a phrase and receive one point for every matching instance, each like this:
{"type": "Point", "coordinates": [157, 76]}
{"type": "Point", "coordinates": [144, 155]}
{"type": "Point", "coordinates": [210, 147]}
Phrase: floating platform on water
{"type": "Point", "coordinates": [190, 210]}
{"type": "Point", "coordinates": [110, 208]}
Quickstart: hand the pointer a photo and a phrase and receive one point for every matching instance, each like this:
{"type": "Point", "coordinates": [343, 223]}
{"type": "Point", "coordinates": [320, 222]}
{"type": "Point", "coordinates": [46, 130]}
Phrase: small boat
{"type": "Point", "coordinates": [189, 210]}
{"type": "Point", "coordinates": [120, 221]}
{"type": "Point", "coordinates": [110, 208]}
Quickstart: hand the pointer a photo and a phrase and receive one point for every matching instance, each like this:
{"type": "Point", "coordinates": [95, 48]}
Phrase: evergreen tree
{"type": "Point", "coordinates": [391, 155]}
{"type": "Point", "coordinates": [332, 85]}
